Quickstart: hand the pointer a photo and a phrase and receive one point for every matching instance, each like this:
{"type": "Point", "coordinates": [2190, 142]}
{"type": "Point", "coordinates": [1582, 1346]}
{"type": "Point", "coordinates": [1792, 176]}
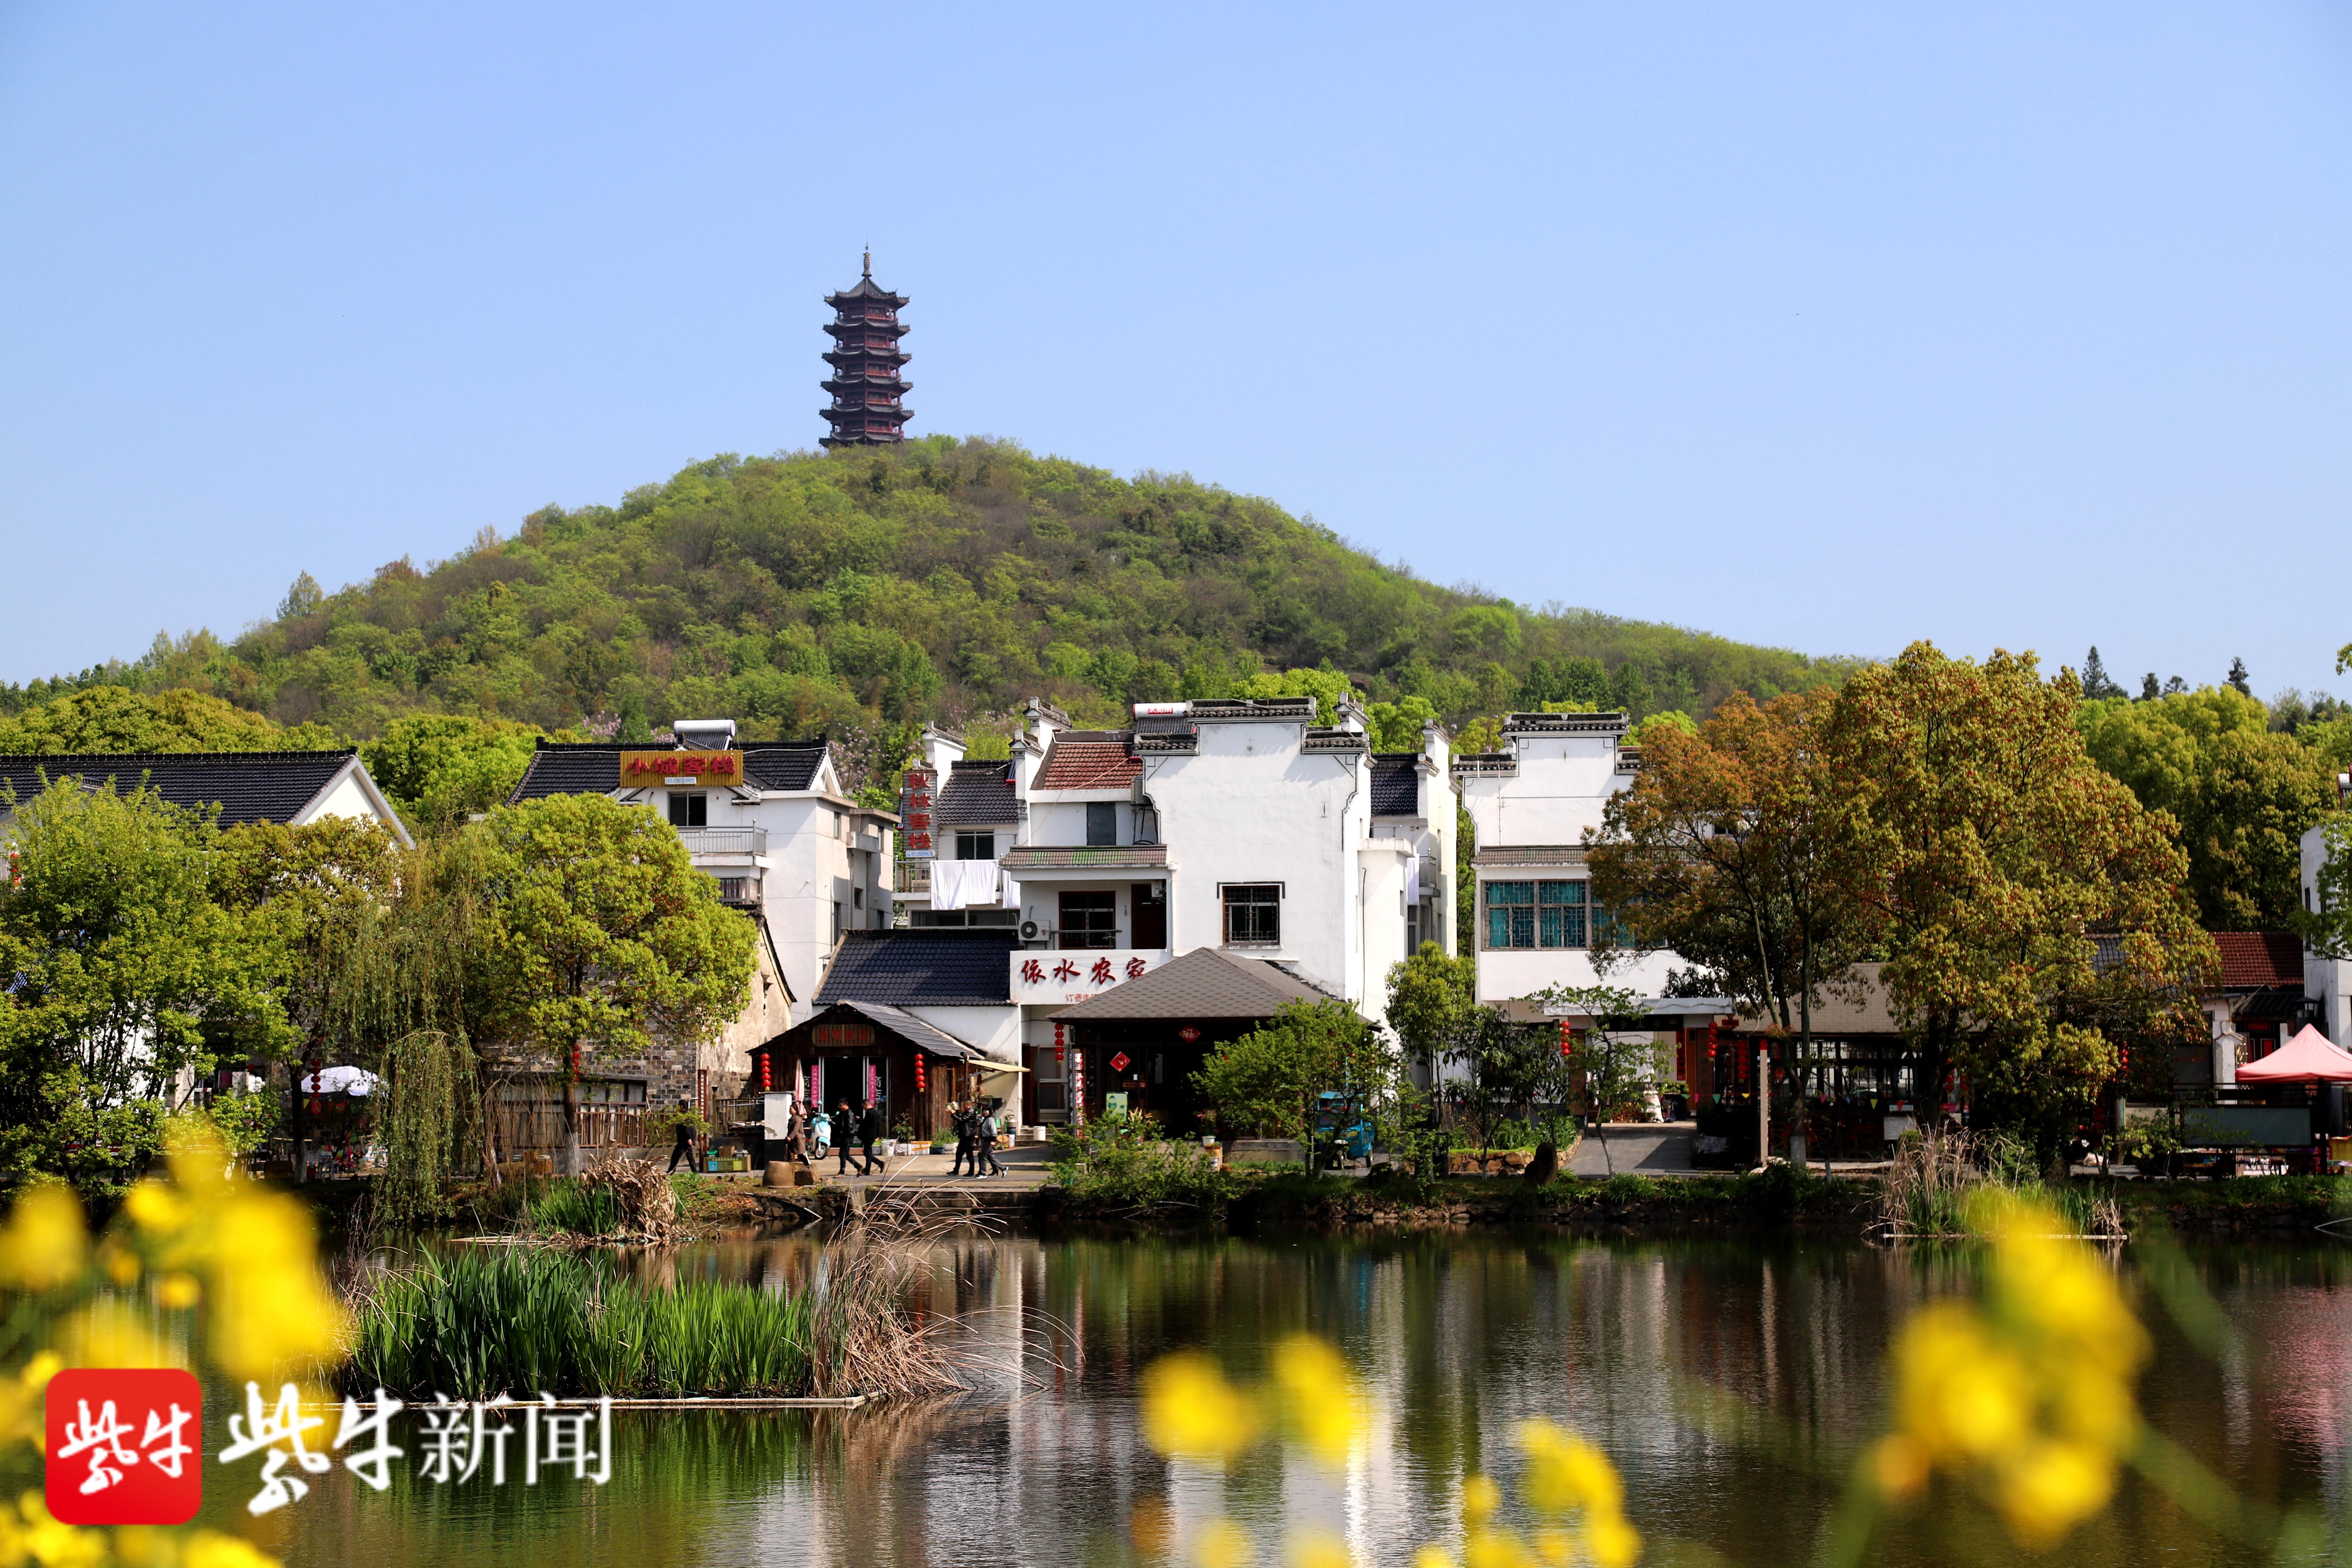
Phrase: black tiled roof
{"type": "Point", "coordinates": [1206, 983]}
{"type": "Point", "coordinates": [248, 786]}
{"type": "Point", "coordinates": [593, 767]}
{"type": "Point", "coordinates": [976, 794]}
{"type": "Point", "coordinates": [1396, 783]}
{"type": "Point", "coordinates": [936, 967]}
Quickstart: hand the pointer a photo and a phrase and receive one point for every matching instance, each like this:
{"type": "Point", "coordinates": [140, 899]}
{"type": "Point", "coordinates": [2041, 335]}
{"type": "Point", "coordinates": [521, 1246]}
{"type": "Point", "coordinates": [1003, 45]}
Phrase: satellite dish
{"type": "Point", "coordinates": [1028, 931]}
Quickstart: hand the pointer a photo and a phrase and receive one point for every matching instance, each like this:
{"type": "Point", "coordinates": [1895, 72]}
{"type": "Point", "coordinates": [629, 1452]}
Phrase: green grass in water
{"type": "Point", "coordinates": [474, 1325]}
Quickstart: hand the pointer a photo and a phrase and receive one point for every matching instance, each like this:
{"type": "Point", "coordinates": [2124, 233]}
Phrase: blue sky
{"type": "Point", "coordinates": [1824, 326]}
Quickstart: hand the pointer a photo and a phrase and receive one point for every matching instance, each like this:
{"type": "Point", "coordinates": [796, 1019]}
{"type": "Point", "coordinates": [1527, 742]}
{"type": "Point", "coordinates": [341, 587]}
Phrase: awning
{"type": "Point", "coordinates": [2306, 1058]}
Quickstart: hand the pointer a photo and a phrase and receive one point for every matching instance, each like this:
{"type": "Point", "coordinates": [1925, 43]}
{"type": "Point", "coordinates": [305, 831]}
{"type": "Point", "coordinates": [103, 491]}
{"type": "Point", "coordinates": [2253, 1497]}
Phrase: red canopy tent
{"type": "Point", "coordinates": [2306, 1058]}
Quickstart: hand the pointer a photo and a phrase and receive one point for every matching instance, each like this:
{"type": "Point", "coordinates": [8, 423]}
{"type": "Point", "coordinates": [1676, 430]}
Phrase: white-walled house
{"type": "Point", "coordinates": [290, 787]}
{"type": "Point", "coordinates": [2326, 981]}
{"type": "Point", "coordinates": [1530, 805]}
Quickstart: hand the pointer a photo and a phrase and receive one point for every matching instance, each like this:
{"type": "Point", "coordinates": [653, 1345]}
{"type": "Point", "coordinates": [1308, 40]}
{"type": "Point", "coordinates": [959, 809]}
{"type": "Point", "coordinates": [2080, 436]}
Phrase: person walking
{"type": "Point", "coordinates": [985, 1145]}
{"type": "Point", "coordinates": [796, 1131]}
{"type": "Point", "coordinates": [844, 1134]}
{"type": "Point", "coordinates": [684, 1148]}
{"type": "Point", "coordinates": [960, 1120]}
{"type": "Point", "coordinates": [870, 1132]}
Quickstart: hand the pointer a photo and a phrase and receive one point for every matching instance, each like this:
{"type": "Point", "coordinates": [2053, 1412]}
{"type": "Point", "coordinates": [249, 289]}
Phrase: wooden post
{"type": "Point", "coordinates": [1763, 1103]}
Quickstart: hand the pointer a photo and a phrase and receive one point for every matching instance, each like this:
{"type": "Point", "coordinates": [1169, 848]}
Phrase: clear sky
{"type": "Point", "coordinates": [1826, 326]}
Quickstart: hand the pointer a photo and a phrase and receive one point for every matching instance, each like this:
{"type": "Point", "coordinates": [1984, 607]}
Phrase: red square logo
{"type": "Point", "coordinates": [125, 1448]}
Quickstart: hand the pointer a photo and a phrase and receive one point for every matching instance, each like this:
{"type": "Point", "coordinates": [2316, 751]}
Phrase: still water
{"type": "Point", "coordinates": [1732, 1382]}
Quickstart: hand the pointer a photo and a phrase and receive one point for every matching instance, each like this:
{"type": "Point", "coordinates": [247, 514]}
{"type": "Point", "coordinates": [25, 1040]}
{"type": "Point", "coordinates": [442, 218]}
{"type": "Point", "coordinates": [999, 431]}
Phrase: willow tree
{"type": "Point", "coordinates": [2031, 913]}
{"type": "Point", "coordinates": [603, 940]}
{"type": "Point", "coordinates": [381, 964]}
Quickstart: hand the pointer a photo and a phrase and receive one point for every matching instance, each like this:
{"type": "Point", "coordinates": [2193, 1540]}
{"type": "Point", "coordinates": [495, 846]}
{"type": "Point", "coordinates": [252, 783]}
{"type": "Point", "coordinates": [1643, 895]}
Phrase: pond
{"type": "Point", "coordinates": [1733, 1383]}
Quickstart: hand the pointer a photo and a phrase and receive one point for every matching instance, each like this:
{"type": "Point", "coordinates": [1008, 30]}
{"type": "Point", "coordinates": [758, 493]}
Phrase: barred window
{"type": "Point", "coordinates": [1254, 914]}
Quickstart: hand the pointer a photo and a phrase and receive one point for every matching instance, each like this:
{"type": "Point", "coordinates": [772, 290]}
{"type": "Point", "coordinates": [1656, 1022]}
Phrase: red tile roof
{"type": "Point", "coordinates": [1093, 763]}
{"type": "Point", "coordinates": [2259, 958]}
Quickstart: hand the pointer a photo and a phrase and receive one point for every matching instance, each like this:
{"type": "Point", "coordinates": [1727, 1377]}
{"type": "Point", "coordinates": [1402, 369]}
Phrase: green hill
{"type": "Point", "coordinates": [860, 592]}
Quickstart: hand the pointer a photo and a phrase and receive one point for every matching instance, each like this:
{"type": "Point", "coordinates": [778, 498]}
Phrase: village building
{"type": "Point", "coordinates": [773, 826]}
{"type": "Point", "coordinates": [290, 787]}
{"type": "Point", "coordinates": [1530, 806]}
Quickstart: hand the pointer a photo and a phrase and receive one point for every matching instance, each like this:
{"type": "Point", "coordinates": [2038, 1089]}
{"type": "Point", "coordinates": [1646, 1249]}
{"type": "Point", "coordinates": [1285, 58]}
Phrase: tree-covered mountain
{"type": "Point", "coordinates": [862, 591]}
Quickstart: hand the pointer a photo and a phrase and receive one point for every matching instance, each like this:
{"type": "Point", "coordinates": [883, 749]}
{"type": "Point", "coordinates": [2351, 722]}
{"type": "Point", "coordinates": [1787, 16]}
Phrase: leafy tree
{"type": "Point", "coordinates": [1500, 1065]}
{"type": "Point", "coordinates": [1329, 688]}
{"type": "Point", "coordinates": [1629, 690]}
{"type": "Point", "coordinates": [2238, 681]}
{"type": "Point", "coordinates": [2148, 689]}
{"type": "Point", "coordinates": [1270, 1082]}
{"type": "Point", "coordinates": [2096, 685]}
{"type": "Point", "coordinates": [1614, 1061]}
{"type": "Point", "coordinates": [1671, 719]}
{"type": "Point", "coordinates": [305, 597]}
{"type": "Point", "coordinates": [1984, 852]}
{"type": "Point", "coordinates": [126, 974]}
{"type": "Point", "coordinates": [113, 719]}
{"type": "Point", "coordinates": [603, 937]}
{"type": "Point", "coordinates": [1431, 998]}
{"type": "Point", "coordinates": [1721, 851]}
{"type": "Point", "coordinates": [2242, 794]}
{"type": "Point", "coordinates": [1397, 726]}
{"type": "Point", "coordinates": [438, 769]}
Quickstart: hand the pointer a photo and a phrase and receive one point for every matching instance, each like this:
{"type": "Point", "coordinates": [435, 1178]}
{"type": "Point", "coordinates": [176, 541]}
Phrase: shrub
{"type": "Point", "coordinates": [1123, 1160]}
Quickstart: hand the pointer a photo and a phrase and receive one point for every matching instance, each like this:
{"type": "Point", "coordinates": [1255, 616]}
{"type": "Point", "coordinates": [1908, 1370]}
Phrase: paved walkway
{"type": "Point", "coordinates": [1646, 1148]}
{"type": "Point", "coordinates": [1025, 1165]}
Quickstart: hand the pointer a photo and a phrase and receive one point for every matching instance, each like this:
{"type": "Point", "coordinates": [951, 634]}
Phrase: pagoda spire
{"type": "Point", "coordinates": [866, 390]}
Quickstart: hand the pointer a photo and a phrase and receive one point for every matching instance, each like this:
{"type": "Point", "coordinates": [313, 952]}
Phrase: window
{"type": "Point", "coordinates": [1102, 823]}
{"type": "Point", "coordinates": [689, 810]}
{"type": "Point", "coordinates": [1542, 914]}
{"type": "Point", "coordinates": [734, 889]}
{"type": "Point", "coordinates": [975, 845]}
{"type": "Point", "coordinates": [1089, 919]}
{"type": "Point", "coordinates": [1254, 914]}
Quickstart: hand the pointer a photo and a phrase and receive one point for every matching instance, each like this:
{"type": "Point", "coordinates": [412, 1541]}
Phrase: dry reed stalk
{"type": "Point", "coordinates": [647, 1207]}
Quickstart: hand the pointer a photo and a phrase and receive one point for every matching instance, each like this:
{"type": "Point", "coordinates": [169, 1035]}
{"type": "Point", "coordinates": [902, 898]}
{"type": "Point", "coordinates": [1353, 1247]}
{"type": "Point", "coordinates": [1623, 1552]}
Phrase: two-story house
{"type": "Point", "coordinates": [771, 824]}
{"type": "Point", "coordinates": [1530, 805]}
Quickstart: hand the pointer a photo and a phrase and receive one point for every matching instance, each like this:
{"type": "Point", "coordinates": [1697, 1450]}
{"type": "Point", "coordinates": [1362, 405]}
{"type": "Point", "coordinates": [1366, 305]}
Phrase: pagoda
{"type": "Point", "coordinates": [865, 358]}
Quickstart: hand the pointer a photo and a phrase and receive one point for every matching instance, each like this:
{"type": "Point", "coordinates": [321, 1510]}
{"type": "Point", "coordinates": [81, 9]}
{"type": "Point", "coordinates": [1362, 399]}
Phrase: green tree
{"type": "Point", "coordinates": [604, 939]}
{"type": "Point", "coordinates": [1615, 1061]}
{"type": "Point", "coordinates": [1985, 852]}
{"type": "Point", "coordinates": [2097, 684]}
{"type": "Point", "coordinates": [1329, 688]}
{"type": "Point", "coordinates": [113, 719]}
{"type": "Point", "coordinates": [127, 972]}
{"type": "Point", "coordinates": [1397, 726]}
{"type": "Point", "coordinates": [439, 769]}
{"type": "Point", "coordinates": [2242, 794]}
{"type": "Point", "coordinates": [1271, 1081]}
{"type": "Point", "coordinates": [1431, 997]}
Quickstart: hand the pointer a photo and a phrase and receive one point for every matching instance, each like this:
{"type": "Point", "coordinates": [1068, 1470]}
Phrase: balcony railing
{"type": "Point", "coordinates": [724, 840]}
{"type": "Point", "coordinates": [911, 877]}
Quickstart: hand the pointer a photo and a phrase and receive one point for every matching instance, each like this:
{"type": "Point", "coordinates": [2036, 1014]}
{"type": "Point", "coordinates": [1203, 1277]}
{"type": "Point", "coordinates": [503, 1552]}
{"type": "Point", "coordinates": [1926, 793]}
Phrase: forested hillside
{"type": "Point", "coordinates": [860, 592]}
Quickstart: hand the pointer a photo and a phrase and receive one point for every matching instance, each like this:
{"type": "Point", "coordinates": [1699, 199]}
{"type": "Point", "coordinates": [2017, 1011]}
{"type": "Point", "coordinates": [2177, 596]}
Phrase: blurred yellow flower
{"type": "Point", "coordinates": [1565, 1474]}
{"type": "Point", "coordinates": [1320, 1549]}
{"type": "Point", "coordinates": [45, 1242]}
{"type": "Point", "coordinates": [110, 1333]}
{"type": "Point", "coordinates": [1189, 1409]}
{"type": "Point", "coordinates": [46, 1541]}
{"type": "Point", "coordinates": [1480, 1498]}
{"type": "Point", "coordinates": [210, 1548]}
{"type": "Point", "coordinates": [2027, 1394]}
{"type": "Point", "coordinates": [178, 1290]}
{"type": "Point", "coordinates": [1221, 1545]}
{"type": "Point", "coordinates": [1321, 1398]}
{"type": "Point", "coordinates": [1433, 1557]}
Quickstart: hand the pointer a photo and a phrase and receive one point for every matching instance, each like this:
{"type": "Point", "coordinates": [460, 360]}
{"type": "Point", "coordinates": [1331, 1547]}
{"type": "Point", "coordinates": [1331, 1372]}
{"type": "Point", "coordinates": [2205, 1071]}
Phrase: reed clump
{"type": "Point", "coordinates": [1938, 1187]}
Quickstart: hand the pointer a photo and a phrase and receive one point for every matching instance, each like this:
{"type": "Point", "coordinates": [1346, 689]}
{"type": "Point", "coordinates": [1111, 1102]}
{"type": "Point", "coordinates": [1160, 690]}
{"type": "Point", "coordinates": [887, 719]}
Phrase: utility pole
{"type": "Point", "coordinates": [1763, 1104]}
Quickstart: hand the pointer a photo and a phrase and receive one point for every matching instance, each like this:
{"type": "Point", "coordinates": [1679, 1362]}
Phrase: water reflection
{"type": "Point", "coordinates": [1732, 1382]}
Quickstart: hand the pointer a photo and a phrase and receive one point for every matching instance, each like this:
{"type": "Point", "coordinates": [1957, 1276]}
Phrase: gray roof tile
{"type": "Point", "coordinates": [943, 966]}
{"type": "Point", "coordinates": [1205, 983]}
{"type": "Point", "coordinates": [248, 786]}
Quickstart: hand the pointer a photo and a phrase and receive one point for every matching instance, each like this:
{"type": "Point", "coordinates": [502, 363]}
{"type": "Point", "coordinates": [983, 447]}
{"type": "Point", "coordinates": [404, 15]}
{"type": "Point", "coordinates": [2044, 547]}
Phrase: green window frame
{"type": "Point", "coordinates": [1510, 914]}
{"type": "Point", "coordinates": [1559, 914]}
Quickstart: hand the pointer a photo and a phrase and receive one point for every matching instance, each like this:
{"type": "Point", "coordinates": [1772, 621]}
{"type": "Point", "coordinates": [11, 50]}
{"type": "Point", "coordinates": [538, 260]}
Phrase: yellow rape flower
{"type": "Point", "coordinates": [210, 1548]}
{"type": "Point", "coordinates": [46, 1541]}
{"type": "Point", "coordinates": [1189, 1409]}
{"type": "Point", "coordinates": [1433, 1557]}
{"type": "Point", "coordinates": [1480, 1498]}
{"type": "Point", "coordinates": [45, 1242]}
{"type": "Point", "coordinates": [1321, 1398]}
{"type": "Point", "coordinates": [108, 1333]}
{"type": "Point", "coordinates": [1221, 1545]}
{"type": "Point", "coordinates": [1320, 1549]}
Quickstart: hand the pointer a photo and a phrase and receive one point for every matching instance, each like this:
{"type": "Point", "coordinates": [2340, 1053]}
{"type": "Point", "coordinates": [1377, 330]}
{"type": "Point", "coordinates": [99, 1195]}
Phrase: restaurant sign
{"type": "Point", "coordinates": [1049, 975]}
{"type": "Point", "coordinates": [915, 841]}
{"type": "Point", "coordinates": [640, 769]}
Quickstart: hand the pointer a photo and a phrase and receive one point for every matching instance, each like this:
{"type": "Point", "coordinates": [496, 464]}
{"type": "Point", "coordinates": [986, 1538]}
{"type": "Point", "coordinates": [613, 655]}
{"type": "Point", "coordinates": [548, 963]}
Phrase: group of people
{"type": "Point", "coordinates": [853, 1131]}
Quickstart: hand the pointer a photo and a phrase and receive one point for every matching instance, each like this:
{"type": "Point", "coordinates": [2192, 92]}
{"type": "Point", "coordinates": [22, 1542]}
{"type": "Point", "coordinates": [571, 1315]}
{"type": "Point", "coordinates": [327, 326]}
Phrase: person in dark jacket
{"type": "Point", "coordinates": [869, 1133]}
{"type": "Point", "coordinates": [844, 1134]}
{"type": "Point", "coordinates": [960, 1120]}
{"type": "Point", "coordinates": [684, 1148]}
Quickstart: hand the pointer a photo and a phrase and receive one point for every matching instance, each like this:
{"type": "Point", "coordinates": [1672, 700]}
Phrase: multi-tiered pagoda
{"type": "Point", "coordinates": [864, 383]}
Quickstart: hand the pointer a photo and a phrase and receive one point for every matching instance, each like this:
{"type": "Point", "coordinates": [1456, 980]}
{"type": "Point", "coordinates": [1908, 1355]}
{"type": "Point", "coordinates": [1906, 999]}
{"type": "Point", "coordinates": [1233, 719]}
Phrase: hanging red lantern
{"type": "Point", "coordinates": [1567, 1040]}
{"type": "Point", "coordinates": [919, 1084]}
{"type": "Point", "coordinates": [767, 1073]}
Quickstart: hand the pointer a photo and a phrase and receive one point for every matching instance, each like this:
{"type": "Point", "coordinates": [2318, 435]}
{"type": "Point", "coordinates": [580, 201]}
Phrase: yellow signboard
{"type": "Point", "coordinates": [640, 769]}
